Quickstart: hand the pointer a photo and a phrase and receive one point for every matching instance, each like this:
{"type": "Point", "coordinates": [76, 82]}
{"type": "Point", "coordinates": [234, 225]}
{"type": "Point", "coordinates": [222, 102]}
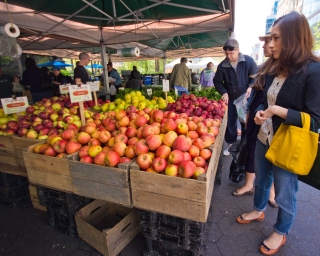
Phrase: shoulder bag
{"type": "Point", "coordinates": [293, 148]}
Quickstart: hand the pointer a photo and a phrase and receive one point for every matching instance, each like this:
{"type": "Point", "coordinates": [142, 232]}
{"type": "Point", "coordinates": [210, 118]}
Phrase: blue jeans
{"type": "Point", "coordinates": [286, 187]}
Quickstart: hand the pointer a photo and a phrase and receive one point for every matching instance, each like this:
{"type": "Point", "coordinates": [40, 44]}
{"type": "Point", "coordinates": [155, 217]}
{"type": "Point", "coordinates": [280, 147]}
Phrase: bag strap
{"type": "Point", "coordinates": [305, 121]}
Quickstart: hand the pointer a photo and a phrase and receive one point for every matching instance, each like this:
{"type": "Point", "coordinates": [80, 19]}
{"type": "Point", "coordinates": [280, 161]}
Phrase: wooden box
{"type": "Point", "coordinates": [99, 182]}
{"type": "Point", "coordinates": [107, 227]}
{"type": "Point", "coordinates": [176, 196]}
{"type": "Point", "coordinates": [35, 199]}
{"type": "Point", "coordinates": [19, 144]}
{"type": "Point", "coordinates": [47, 171]}
{"type": "Point", "coordinates": [7, 152]}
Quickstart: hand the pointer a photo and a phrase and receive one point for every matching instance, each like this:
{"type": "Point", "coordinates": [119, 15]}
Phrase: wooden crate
{"type": "Point", "coordinates": [47, 171]}
{"type": "Point", "coordinates": [19, 144]}
{"type": "Point", "coordinates": [7, 152]}
{"type": "Point", "coordinates": [99, 182]}
{"type": "Point", "coordinates": [107, 227]}
{"type": "Point", "coordinates": [35, 199]}
{"type": "Point", "coordinates": [176, 196]}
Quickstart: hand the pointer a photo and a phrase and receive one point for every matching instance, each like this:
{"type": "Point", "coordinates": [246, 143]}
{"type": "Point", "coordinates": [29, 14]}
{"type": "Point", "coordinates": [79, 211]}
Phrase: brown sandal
{"type": "Point", "coordinates": [241, 220]}
{"type": "Point", "coordinates": [249, 192]}
{"type": "Point", "coordinates": [265, 250]}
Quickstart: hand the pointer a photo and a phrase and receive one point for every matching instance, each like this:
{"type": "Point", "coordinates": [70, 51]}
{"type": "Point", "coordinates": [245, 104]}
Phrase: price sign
{"type": "Point", "coordinates": [11, 106]}
{"type": "Point", "coordinates": [165, 85]}
{"type": "Point", "coordinates": [149, 92]}
{"type": "Point", "coordinates": [64, 89]}
{"type": "Point", "coordinates": [80, 93]}
{"type": "Point", "coordinates": [176, 91]}
{"type": "Point", "coordinates": [94, 86]}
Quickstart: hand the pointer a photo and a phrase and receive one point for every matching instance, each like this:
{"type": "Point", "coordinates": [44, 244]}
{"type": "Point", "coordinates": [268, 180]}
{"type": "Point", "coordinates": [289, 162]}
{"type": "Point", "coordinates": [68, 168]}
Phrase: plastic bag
{"type": "Point", "coordinates": [241, 104]}
{"type": "Point", "coordinates": [113, 90]}
{"type": "Point", "coordinates": [17, 87]}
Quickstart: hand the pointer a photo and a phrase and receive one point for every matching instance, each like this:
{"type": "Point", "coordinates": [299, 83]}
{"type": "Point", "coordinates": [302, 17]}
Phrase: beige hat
{"type": "Point", "coordinates": [267, 36]}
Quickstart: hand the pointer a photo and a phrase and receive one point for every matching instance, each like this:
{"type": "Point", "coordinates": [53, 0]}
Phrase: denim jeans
{"type": "Point", "coordinates": [231, 131]}
{"type": "Point", "coordinates": [286, 187]}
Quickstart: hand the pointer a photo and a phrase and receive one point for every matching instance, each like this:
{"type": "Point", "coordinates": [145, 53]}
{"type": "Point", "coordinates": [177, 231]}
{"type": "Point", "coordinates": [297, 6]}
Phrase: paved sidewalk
{"type": "Point", "coordinates": [24, 232]}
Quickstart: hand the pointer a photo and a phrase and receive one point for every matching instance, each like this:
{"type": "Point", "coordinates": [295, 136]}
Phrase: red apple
{"type": "Point", "coordinates": [194, 151]}
{"type": "Point", "coordinates": [86, 159]}
{"type": "Point", "coordinates": [124, 160]}
{"type": "Point", "coordinates": [83, 138]}
{"type": "Point", "coordinates": [83, 151]}
{"type": "Point", "coordinates": [199, 161]}
{"type": "Point", "coordinates": [198, 143]}
{"type": "Point", "coordinates": [112, 158]}
{"type": "Point", "coordinates": [163, 151]}
{"type": "Point", "coordinates": [154, 142]}
{"type": "Point", "coordinates": [119, 148]}
{"type": "Point", "coordinates": [170, 125]}
{"type": "Point", "coordinates": [99, 159]}
{"type": "Point", "coordinates": [186, 156]}
{"type": "Point", "coordinates": [159, 164]}
{"type": "Point", "coordinates": [130, 153]}
{"type": "Point", "coordinates": [32, 134]}
{"type": "Point", "coordinates": [169, 138]}
{"type": "Point", "coordinates": [140, 121]}
{"type": "Point", "coordinates": [72, 147]}
{"type": "Point", "coordinates": [182, 143]}
{"type": "Point", "coordinates": [141, 148]}
{"type": "Point", "coordinates": [132, 141]}
{"type": "Point", "coordinates": [198, 171]}
{"type": "Point", "coordinates": [157, 115]}
{"type": "Point", "coordinates": [121, 138]}
{"type": "Point", "coordinates": [144, 161]}
{"type": "Point", "coordinates": [49, 151]}
{"type": "Point", "coordinates": [205, 153]}
{"type": "Point", "coordinates": [176, 157]}
{"type": "Point", "coordinates": [131, 132]}
{"type": "Point", "coordinates": [186, 169]}
{"type": "Point", "coordinates": [192, 135]}
{"type": "Point", "coordinates": [67, 134]}
{"type": "Point", "coordinates": [60, 146]}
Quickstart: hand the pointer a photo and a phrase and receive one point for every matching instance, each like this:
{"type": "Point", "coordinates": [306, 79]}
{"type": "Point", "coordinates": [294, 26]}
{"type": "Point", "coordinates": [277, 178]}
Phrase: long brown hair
{"type": "Point", "coordinates": [297, 49]}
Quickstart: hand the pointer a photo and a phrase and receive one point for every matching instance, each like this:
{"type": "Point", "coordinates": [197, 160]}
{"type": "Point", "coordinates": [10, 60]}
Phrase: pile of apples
{"type": "Point", "coordinates": [198, 106]}
{"type": "Point", "coordinates": [162, 142]}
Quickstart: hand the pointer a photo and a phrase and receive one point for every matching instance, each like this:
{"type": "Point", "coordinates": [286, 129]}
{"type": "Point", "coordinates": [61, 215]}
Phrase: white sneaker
{"type": "Point", "coordinates": [226, 151]}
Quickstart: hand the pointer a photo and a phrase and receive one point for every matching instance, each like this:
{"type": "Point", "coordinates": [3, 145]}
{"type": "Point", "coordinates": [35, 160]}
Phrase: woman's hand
{"type": "Point", "coordinates": [259, 118]}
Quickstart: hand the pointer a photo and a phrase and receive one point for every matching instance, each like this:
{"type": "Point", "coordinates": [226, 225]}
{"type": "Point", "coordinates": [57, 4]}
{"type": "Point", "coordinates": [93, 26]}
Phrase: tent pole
{"type": "Point", "coordinates": [104, 64]}
{"type": "Point", "coordinates": [164, 65]}
{"type": "Point", "coordinates": [92, 68]}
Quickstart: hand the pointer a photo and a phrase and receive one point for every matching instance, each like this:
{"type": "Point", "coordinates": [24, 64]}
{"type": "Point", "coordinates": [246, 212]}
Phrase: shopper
{"type": "Point", "coordinates": [135, 82]}
{"type": "Point", "coordinates": [291, 86]}
{"type": "Point", "coordinates": [134, 73]}
{"type": "Point", "coordinates": [116, 80]}
{"type": "Point", "coordinates": [234, 77]}
{"type": "Point", "coordinates": [37, 79]}
{"type": "Point", "coordinates": [251, 134]}
{"type": "Point", "coordinates": [180, 75]}
{"type": "Point", "coordinates": [58, 79]}
{"type": "Point", "coordinates": [206, 77]}
{"type": "Point", "coordinates": [5, 85]}
{"type": "Point", "coordinates": [80, 73]}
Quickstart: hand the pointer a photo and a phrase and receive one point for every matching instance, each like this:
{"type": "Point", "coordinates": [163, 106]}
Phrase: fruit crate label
{"type": "Point", "coordinates": [94, 86]}
{"type": "Point", "coordinates": [64, 89]}
{"type": "Point", "coordinates": [165, 85]}
{"type": "Point", "coordinates": [149, 92]}
{"type": "Point", "coordinates": [11, 106]}
{"type": "Point", "coordinates": [80, 93]}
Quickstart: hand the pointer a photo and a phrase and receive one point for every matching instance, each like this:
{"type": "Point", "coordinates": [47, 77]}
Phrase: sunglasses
{"type": "Point", "coordinates": [230, 48]}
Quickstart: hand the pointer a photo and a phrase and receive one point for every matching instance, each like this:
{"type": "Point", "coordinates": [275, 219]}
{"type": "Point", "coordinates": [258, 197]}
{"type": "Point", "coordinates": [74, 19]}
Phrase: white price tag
{"type": "Point", "coordinates": [176, 91]}
{"type": "Point", "coordinates": [94, 86]}
{"type": "Point", "coordinates": [165, 85]}
{"type": "Point", "coordinates": [64, 89]}
{"type": "Point", "coordinates": [11, 106]}
{"type": "Point", "coordinates": [149, 92]}
{"type": "Point", "coordinates": [80, 93]}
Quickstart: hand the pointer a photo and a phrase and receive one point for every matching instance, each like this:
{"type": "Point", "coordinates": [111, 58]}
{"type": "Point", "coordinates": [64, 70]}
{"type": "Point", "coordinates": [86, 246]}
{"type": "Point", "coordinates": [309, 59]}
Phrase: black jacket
{"type": "Point", "coordinates": [227, 80]}
{"type": "Point", "coordinates": [134, 84]}
{"type": "Point", "coordinates": [299, 93]}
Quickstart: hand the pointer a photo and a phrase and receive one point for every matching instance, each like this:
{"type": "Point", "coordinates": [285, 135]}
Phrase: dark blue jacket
{"type": "Point", "coordinates": [227, 80]}
{"type": "Point", "coordinates": [299, 93]}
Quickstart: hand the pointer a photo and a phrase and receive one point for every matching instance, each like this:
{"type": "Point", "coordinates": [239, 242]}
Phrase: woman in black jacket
{"type": "Point", "coordinates": [292, 86]}
{"type": "Point", "coordinates": [36, 78]}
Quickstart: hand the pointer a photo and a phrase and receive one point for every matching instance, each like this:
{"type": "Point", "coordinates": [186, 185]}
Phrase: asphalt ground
{"type": "Point", "coordinates": [25, 232]}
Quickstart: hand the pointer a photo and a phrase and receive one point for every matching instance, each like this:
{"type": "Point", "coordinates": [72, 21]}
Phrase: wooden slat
{"type": "Point", "coordinates": [10, 152]}
{"type": "Point", "coordinates": [169, 205]}
{"type": "Point", "coordinates": [38, 206]}
{"type": "Point", "coordinates": [15, 170]}
{"type": "Point", "coordinates": [6, 141]}
{"type": "Point", "coordinates": [50, 180]}
{"type": "Point", "coordinates": [105, 175]}
{"type": "Point", "coordinates": [10, 160]}
{"type": "Point", "coordinates": [21, 143]}
{"type": "Point", "coordinates": [101, 191]}
{"type": "Point", "coordinates": [46, 163]}
{"type": "Point", "coordinates": [178, 187]}
{"type": "Point", "coordinates": [122, 233]}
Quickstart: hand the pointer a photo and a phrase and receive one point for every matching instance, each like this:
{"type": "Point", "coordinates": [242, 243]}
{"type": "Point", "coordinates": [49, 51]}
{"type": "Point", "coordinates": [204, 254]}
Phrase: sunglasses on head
{"type": "Point", "coordinates": [230, 48]}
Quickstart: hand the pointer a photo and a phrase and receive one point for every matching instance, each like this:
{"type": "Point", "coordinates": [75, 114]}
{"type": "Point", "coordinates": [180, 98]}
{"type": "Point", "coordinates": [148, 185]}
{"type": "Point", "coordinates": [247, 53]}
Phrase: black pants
{"type": "Point", "coordinates": [231, 131]}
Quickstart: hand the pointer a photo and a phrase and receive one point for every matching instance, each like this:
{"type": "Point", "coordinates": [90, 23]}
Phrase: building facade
{"type": "Point", "coordinates": [286, 6]}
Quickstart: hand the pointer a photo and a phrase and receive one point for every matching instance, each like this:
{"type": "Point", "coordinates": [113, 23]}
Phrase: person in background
{"type": "Point", "coordinates": [206, 77]}
{"type": "Point", "coordinates": [180, 75]}
{"type": "Point", "coordinates": [234, 77]}
{"type": "Point", "coordinates": [251, 134]}
{"type": "Point", "coordinates": [5, 85]}
{"type": "Point", "coordinates": [290, 78]}
{"type": "Point", "coordinates": [58, 79]}
{"type": "Point", "coordinates": [80, 73]}
{"type": "Point", "coordinates": [35, 78]}
{"type": "Point", "coordinates": [115, 75]}
{"type": "Point", "coordinates": [135, 82]}
{"type": "Point", "coordinates": [134, 73]}
{"type": "Point", "coordinates": [18, 89]}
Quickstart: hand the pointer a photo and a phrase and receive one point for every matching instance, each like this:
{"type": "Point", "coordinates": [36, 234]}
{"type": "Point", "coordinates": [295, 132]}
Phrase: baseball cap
{"type": "Point", "coordinates": [231, 44]}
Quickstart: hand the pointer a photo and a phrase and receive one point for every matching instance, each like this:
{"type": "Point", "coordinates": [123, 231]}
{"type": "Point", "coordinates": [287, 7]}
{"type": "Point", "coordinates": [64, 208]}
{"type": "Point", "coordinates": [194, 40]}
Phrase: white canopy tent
{"type": "Point", "coordinates": [203, 63]}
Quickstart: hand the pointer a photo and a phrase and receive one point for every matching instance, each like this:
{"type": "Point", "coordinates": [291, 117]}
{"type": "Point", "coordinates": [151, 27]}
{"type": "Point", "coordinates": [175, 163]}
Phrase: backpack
{"type": "Point", "coordinates": [237, 168]}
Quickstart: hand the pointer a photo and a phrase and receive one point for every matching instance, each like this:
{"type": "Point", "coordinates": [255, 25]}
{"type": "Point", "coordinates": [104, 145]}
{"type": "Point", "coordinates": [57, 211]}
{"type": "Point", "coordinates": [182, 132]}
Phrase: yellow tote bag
{"type": "Point", "coordinates": [293, 148]}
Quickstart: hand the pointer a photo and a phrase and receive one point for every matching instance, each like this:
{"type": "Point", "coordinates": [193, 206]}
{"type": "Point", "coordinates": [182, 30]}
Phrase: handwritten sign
{"type": "Point", "coordinates": [80, 93]}
{"type": "Point", "coordinates": [11, 106]}
{"type": "Point", "coordinates": [94, 86]}
{"type": "Point", "coordinates": [165, 85]}
{"type": "Point", "coordinates": [149, 92]}
{"type": "Point", "coordinates": [64, 89]}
